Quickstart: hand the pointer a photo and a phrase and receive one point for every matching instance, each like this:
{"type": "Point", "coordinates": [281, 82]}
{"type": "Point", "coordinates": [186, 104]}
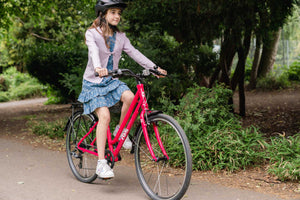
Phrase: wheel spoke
{"type": "Point", "coordinates": [83, 165]}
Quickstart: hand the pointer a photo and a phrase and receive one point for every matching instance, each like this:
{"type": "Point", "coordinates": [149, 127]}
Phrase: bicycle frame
{"type": "Point", "coordinates": [139, 102]}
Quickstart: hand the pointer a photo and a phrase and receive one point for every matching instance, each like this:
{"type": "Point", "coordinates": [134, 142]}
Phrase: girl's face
{"type": "Point", "coordinates": [113, 16]}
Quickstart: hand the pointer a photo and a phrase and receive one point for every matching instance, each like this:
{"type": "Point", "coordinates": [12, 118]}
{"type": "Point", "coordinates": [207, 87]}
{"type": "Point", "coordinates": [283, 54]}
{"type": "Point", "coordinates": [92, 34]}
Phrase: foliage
{"type": "Point", "coordinates": [194, 23]}
{"type": "Point", "coordinates": [294, 71]}
{"type": "Point", "coordinates": [216, 136]}
{"type": "Point", "coordinates": [54, 129]}
{"type": "Point", "coordinates": [292, 27]}
{"type": "Point", "coordinates": [42, 33]}
{"type": "Point", "coordinates": [4, 97]}
{"type": "Point", "coordinates": [200, 22]}
{"type": "Point", "coordinates": [188, 26]}
{"type": "Point", "coordinates": [167, 53]}
{"type": "Point", "coordinates": [28, 23]}
{"type": "Point", "coordinates": [51, 64]}
{"type": "Point", "coordinates": [53, 97]}
{"type": "Point", "coordinates": [16, 85]}
{"type": "Point", "coordinates": [170, 38]}
{"type": "Point", "coordinates": [284, 155]}
{"type": "Point", "coordinates": [218, 140]}
{"type": "Point", "coordinates": [72, 80]}
{"type": "Point", "coordinates": [279, 78]}
{"type": "Point", "coordinates": [273, 82]}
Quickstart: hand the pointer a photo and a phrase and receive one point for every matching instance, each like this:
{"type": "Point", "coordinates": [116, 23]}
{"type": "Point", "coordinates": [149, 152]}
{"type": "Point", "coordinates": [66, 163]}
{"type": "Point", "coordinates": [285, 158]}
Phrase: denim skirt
{"type": "Point", "coordinates": [104, 94]}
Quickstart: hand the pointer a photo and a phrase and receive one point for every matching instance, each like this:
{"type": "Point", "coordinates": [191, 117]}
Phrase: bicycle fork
{"type": "Point", "coordinates": [157, 135]}
{"type": "Point", "coordinates": [145, 109]}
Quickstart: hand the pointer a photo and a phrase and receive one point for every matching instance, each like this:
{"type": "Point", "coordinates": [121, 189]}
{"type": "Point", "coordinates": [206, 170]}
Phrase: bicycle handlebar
{"type": "Point", "coordinates": [127, 72]}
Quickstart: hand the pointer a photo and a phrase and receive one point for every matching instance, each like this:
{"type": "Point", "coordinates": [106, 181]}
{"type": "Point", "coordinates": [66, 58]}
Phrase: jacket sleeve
{"type": "Point", "coordinates": [93, 50]}
{"type": "Point", "coordinates": [136, 55]}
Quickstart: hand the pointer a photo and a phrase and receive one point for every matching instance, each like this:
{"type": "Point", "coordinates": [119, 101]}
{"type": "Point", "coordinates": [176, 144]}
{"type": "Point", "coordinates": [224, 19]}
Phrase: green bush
{"type": "Point", "coordinates": [54, 129]}
{"type": "Point", "coordinates": [294, 71]}
{"type": "Point", "coordinates": [16, 85]}
{"type": "Point", "coordinates": [280, 77]}
{"type": "Point", "coordinates": [51, 64]}
{"type": "Point", "coordinates": [4, 96]}
{"type": "Point", "coordinates": [284, 156]}
{"type": "Point", "coordinates": [73, 80]}
{"type": "Point", "coordinates": [216, 136]}
{"type": "Point", "coordinates": [27, 90]}
{"type": "Point", "coordinates": [273, 82]}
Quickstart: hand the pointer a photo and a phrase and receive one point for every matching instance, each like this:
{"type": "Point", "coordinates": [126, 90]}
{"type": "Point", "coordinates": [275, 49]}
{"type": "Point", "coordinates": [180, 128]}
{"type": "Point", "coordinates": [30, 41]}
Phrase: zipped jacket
{"type": "Point", "coordinates": [98, 53]}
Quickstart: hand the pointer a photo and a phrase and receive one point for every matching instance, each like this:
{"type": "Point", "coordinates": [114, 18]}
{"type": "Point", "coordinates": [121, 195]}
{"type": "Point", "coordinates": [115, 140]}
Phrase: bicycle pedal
{"type": "Point", "coordinates": [132, 150]}
{"type": "Point", "coordinates": [119, 157]}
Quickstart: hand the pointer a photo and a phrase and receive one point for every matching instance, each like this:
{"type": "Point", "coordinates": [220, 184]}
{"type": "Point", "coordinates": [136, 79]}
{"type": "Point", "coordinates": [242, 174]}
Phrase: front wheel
{"type": "Point", "coordinates": [164, 179]}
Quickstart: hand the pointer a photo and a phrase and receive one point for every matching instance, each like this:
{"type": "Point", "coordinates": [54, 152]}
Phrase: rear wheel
{"type": "Point", "coordinates": [83, 165]}
{"type": "Point", "coordinates": [164, 179]}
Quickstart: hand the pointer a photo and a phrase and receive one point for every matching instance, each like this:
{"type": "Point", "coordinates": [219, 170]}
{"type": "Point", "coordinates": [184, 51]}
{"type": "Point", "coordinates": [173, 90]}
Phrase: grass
{"type": "Point", "coordinates": [54, 129]}
{"type": "Point", "coordinates": [15, 85]}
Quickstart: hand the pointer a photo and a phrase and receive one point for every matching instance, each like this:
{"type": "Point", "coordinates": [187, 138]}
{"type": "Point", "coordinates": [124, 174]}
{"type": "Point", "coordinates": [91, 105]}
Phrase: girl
{"type": "Point", "coordinates": [105, 44]}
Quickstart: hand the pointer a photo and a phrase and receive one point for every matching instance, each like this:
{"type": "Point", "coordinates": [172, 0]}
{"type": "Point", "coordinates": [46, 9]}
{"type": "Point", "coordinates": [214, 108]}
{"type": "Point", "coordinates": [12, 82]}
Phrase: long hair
{"type": "Point", "coordinates": [105, 27]}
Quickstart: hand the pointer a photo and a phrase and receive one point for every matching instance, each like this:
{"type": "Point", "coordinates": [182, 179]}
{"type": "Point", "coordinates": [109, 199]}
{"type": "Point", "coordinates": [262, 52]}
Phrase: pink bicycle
{"type": "Point", "coordinates": [161, 149]}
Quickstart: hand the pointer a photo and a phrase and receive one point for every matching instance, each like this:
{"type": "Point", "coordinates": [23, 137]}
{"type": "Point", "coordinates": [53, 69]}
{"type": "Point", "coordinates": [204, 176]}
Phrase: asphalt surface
{"type": "Point", "coordinates": [35, 173]}
{"type": "Point", "coordinates": [30, 172]}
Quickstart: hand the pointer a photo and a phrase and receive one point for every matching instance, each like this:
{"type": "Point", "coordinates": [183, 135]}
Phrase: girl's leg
{"type": "Point", "coordinates": [103, 170]}
{"type": "Point", "coordinates": [101, 131]}
{"type": "Point", "coordinates": [127, 97]}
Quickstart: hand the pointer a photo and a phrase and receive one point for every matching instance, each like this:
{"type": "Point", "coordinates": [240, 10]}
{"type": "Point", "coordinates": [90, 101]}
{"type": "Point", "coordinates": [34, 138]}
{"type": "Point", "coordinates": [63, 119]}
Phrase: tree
{"type": "Point", "coordinates": [255, 63]}
{"type": "Point", "coordinates": [199, 22]}
{"type": "Point", "coordinates": [272, 18]}
{"type": "Point", "coordinates": [195, 25]}
{"type": "Point", "coordinates": [29, 23]}
{"type": "Point", "coordinates": [269, 53]}
{"type": "Point", "coordinates": [46, 38]}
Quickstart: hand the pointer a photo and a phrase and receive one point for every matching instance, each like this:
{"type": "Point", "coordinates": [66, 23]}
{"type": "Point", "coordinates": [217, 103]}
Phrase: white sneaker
{"type": "Point", "coordinates": [103, 170]}
{"type": "Point", "coordinates": [127, 144]}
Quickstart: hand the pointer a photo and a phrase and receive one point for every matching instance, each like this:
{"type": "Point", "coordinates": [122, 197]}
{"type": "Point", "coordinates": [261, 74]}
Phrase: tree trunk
{"type": "Point", "coordinates": [228, 49]}
{"type": "Point", "coordinates": [255, 63]}
{"type": "Point", "coordinates": [242, 97]}
{"type": "Point", "coordinates": [239, 74]}
{"type": "Point", "coordinates": [269, 54]}
{"type": "Point", "coordinates": [214, 77]}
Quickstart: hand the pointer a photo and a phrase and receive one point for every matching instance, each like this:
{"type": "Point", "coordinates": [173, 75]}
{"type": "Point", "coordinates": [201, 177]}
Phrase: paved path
{"type": "Point", "coordinates": [22, 103]}
{"type": "Point", "coordinates": [33, 173]}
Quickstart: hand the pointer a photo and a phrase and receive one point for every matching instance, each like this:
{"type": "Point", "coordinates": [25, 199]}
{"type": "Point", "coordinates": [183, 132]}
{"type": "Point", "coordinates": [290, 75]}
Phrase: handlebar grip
{"type": "Point", "coordinates": [157, 72]}
{"type": "Point", "coordinates": [112, 73]}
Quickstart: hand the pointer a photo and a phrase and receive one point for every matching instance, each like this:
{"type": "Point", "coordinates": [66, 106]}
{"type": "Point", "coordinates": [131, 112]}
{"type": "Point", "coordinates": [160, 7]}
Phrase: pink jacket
{"type": "Point", "coordinates": [98, 53]}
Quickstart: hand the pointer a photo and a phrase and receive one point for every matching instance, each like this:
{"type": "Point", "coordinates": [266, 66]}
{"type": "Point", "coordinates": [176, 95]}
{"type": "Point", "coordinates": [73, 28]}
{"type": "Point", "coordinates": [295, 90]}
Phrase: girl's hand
{"type": "Point", "coordinates": [162, 71]}
{"type": "Point", "coordinates": [101, 71]}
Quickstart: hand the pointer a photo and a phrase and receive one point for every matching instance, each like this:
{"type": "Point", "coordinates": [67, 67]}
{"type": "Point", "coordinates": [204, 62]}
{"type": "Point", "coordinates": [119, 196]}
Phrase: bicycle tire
{"type": "Point", "coordinates": [173, 175]}
{"type": "Point", "coordinates": [83, 165]}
